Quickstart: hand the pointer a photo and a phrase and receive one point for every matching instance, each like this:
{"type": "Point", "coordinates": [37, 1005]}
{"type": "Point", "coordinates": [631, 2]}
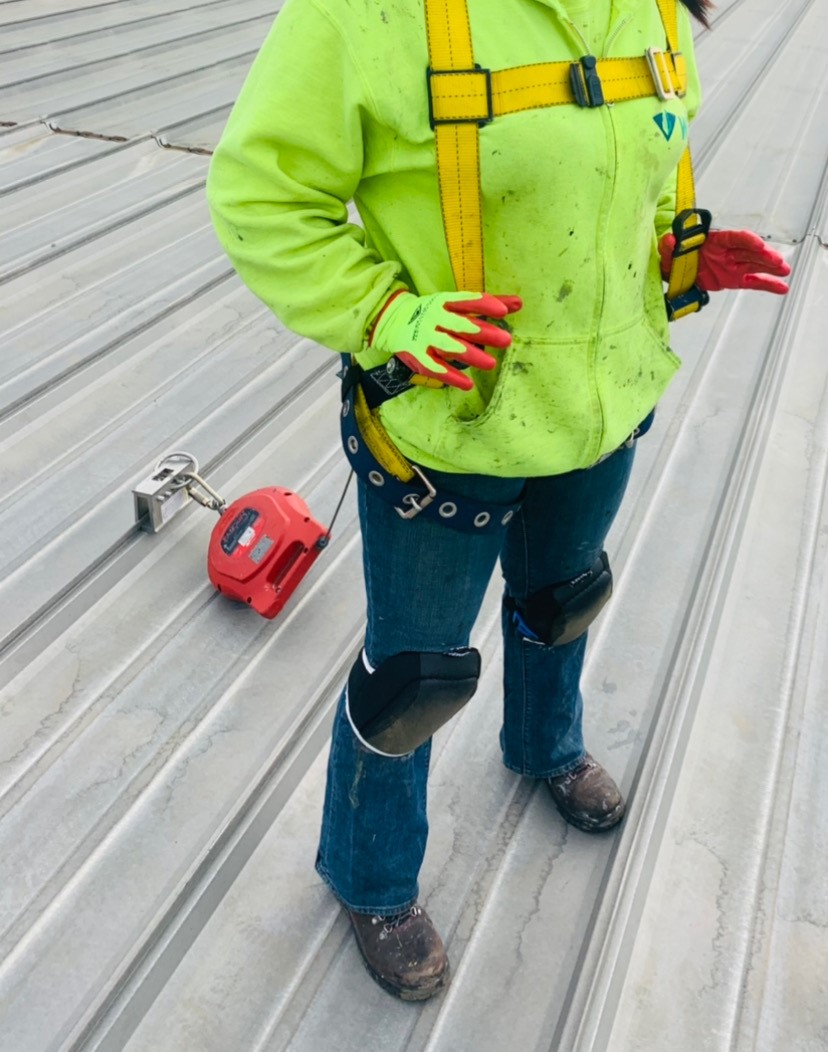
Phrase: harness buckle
{"type": "Point", "coordinates": [586, 82]}
{"type": "Point", "coordinates": [686, 303]}
{"type": "Point", "coordinates": [417, 504]}
{"type": "Point", "coordinates": [690, 229]}
{"type": "Point", "coordinates": [464, 102]}
{"type": "Point", "coordinates": [662, 74]}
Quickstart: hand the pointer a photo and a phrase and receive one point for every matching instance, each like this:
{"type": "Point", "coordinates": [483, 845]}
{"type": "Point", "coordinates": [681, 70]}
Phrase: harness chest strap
{"type": "Point", "coordinates": [463, 96]}
{"type": "Point", "coordinates": [479, 95]}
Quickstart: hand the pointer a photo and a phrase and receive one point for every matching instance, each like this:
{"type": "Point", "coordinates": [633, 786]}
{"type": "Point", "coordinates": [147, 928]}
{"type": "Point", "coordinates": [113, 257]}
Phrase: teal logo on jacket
{"type": "Point", "coordinates": [667, 122]}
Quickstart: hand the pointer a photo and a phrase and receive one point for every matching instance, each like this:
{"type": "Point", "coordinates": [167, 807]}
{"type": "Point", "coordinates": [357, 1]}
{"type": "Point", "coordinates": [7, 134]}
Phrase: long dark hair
{"type": "Point", "coordinates": [699, 9]}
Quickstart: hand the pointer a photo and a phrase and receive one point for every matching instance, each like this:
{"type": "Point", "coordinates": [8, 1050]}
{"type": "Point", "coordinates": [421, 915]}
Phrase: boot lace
{"type": "Point", "coordinates": [585, 765]}
{"type": "Point", "coordinates": [390, 924]}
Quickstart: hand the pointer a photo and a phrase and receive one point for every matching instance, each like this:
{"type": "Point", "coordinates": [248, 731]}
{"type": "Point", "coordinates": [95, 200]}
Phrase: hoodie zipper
{"type": "Point", "coordinates": [601, 298]}
{"type": "Point", "coordinates": [615, 33]}
{"type": "Point", "coordinates": [602, 294]}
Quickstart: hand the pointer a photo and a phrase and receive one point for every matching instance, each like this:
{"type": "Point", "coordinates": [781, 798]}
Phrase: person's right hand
{"type": "Point", "coordinates": [428, 333]}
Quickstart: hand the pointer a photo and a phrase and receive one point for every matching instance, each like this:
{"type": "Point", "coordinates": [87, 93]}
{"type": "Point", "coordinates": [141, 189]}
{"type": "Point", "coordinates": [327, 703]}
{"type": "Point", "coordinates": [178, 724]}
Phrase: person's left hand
{"type": "Point", "coordinates": [733, 259]}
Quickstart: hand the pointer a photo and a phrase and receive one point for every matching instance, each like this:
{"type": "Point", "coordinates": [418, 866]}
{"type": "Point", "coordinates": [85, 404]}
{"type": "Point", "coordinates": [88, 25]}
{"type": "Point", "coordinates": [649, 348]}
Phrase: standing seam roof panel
{"type": "Point", "coordinates": [162, 751]}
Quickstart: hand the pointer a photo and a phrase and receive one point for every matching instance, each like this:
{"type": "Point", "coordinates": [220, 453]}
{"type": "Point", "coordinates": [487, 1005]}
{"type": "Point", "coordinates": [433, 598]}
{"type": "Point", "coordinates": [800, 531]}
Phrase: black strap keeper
{"type": "Point", "coordinates": [586, 83]}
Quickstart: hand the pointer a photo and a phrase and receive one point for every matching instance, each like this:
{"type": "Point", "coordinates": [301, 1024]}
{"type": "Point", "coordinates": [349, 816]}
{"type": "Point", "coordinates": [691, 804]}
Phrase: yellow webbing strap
{"type": "Point", "coordinates": [684, 269]}
{"type": "Point", "coordinates": [473, 96]}
{"type": "Point", "coordinates": [458, 170]}
{"type": "Point", "coordinates": [376, 439]}
{"type": "Point", "coordinates": [669, 18]}
{"type": "Point", "coordinates": [458, 148]}
{"type": "Point", "coordinates": [461, 95]}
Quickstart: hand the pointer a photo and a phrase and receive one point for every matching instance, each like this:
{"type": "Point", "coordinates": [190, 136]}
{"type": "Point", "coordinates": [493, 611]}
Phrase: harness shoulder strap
{"type": "Point", "coordinates": [463, 96]}
{"type": "Point", "coordinates": [457, 146]}
{"type": "Point", "coordinates": [691, 224]}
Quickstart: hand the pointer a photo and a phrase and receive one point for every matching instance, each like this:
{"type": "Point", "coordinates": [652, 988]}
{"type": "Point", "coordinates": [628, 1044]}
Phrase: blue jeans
{"type": "Point", "coordinates": [425, 584]}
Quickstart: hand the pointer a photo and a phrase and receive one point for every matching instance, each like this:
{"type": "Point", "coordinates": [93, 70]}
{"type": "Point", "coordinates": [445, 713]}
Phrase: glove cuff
{"type": "Point", "coordinates": [666, 244]}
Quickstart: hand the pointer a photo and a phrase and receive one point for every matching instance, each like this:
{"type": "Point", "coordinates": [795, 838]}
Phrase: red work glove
{"type": "Point", "coordinates": [733, 259]}
{"type": "Point", "coordinates": [428, 333]}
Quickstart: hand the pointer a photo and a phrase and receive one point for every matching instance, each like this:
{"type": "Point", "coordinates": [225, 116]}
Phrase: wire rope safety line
{"type": "Point", "coordinates": [263, 544]}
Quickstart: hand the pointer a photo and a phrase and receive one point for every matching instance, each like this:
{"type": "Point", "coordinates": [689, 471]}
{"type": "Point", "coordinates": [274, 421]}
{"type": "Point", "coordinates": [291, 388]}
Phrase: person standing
{"type": "Point", "coordinates": [507, 401]}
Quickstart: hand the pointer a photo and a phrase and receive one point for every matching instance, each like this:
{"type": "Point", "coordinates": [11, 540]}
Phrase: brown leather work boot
{"type": "Point", "coordinates": [587, 797]}
{"type": "Point", "coordinates": [403, 953]}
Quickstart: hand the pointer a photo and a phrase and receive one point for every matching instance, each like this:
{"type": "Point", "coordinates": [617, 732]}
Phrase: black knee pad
{"type": "Point", "coordinates": [398, 706]}
{"type": "Point", "coordinates": [562, 612]}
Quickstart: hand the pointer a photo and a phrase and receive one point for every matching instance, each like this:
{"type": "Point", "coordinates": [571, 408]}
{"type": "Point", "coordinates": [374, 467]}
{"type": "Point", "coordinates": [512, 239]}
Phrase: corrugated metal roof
{"type": "Point", "coordinates": [162, 751]}
{"type": "Point", "coordinates": [118, 70]}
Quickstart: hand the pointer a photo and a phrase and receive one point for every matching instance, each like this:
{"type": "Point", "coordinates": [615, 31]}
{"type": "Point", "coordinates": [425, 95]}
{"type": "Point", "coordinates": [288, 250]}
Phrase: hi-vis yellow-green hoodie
{"type": "Point", "coordinates": [335, 107]}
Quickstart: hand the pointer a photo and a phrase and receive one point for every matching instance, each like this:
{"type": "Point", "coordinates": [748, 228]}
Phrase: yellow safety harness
{"type": "Point", "coordinates": [463, 97]}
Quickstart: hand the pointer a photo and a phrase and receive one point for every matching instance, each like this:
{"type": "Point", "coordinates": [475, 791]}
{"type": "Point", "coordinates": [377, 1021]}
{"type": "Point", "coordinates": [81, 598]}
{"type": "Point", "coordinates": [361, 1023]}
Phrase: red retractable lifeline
{"type": "Point", "coordinates": [262, 546]}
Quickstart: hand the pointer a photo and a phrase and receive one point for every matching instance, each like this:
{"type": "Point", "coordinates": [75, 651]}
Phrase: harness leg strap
{"type": "Point", "coordinates": [398, 706]}
{"type": "Point", "coordinates": [562, 612]}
